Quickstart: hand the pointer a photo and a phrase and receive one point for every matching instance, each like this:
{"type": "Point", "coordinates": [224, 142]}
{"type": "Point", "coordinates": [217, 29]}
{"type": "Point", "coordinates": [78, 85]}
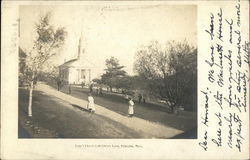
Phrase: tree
{"type": "Point", "coordinates": [49, 74]}
{"type": "Point", "coordinates": [114, 71]}
{"type": "Point", "coordinates": [169, 71]}
{"type": "Point", "coordinates": [125, 83]}
{"type": "Point", "coordinates": [22, 66]}
{"type": "Point", "coordinates": [97, 80]}
{"type": "Point", "coordinates": [46, 45]}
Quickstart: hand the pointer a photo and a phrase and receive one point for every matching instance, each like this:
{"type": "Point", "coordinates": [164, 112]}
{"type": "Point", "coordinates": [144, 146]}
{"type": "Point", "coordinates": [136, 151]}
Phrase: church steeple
{"type": "Point", "coordinates": [80, 48]}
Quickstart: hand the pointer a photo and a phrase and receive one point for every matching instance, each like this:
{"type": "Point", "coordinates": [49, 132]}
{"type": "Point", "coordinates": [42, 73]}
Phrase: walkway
{"type": "Point", "coordinates": [152, 129]}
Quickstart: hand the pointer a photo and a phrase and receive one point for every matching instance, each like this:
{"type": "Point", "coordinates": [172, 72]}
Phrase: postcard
{"type": "Point", "coordinates": [125, 80]}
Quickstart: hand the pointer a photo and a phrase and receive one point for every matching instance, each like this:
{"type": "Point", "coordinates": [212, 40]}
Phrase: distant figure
{"type": "Point", "coordinates": [126, 96]}
{"type": "Point", "coordinates": [82, 84]}
{"type": "Point", "coordinates": [100, 90]}
{"type": "Point", "coordinates": [139, 98]}
{"type": "Point", "coordinates": [91, 88]}
{"type": "Point", "coordinates": [143, 99]}
{"type": "Point", "coordinates": [35, 81]}
{"type": "Point", "coordinates": [59, 84]}
{"type": "Point", "coordinates": [130, 107]}
{"type": "Point", "coordinates": [91, 103]}
{"type": "Point", "coordinates": [69, 88]}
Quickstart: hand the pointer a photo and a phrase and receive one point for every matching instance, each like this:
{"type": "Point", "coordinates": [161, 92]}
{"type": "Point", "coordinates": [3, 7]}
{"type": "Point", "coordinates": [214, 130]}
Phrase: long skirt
{"type": "Point", "coordinates": [130, 110]}
{"type": "Point", "coordinates": [91, 106]}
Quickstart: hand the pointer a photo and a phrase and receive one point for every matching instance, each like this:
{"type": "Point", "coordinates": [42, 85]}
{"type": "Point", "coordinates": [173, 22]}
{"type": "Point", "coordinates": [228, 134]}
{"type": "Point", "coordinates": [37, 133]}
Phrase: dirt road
{"type": "Point", "coordinates": [144, 127]}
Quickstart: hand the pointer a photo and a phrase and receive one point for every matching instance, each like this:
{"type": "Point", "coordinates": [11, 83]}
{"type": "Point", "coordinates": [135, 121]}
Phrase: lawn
{"type": "Point", "coordinates": [185, 120]}
{"type": "Point", "coordinates": [55, 118]}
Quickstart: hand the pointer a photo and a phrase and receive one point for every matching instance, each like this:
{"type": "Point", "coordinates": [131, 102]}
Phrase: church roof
{"type": "Point", "coordinates": [81, 63]}
{"type": "Point", "coordinates": [69, 62]}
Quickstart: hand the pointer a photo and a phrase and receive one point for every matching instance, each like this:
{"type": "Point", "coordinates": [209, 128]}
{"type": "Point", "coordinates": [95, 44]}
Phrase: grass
{"type": "Point", "coordinates": [55, 118]}
{"type": "Point", "coordinates": [185, 120]}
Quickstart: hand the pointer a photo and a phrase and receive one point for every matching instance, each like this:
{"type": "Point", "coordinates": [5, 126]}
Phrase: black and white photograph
{"type": "Point", "coordinates": [125, 79]}
{"type": "Point", "coordinates": [107, 71]}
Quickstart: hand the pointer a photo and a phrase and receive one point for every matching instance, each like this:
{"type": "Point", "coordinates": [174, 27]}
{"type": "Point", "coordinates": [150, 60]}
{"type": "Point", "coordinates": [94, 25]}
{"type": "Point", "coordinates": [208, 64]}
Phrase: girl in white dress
{"type": "Point", "coordinates": [130, 107]}
{"type": "Point", "coordinates": [91, 103]}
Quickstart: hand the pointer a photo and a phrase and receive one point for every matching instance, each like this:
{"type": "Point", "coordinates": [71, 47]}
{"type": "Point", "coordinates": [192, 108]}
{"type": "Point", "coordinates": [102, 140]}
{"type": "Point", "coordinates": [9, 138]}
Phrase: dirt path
{"type": "Point", "coordinates": [56, 118]}
{"type": "Point", "coordinates": [154, 130]}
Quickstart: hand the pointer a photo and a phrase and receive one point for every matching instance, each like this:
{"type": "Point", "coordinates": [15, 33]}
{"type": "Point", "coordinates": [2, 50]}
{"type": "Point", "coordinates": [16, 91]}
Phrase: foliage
{"type": "Point", "coordinates": [46, 45]}
{"type": "Point", "coordinates": [170, 72]}
{"type": "Point", "coordinates": [114, 72]}
{"type": "Point", "coordinates": [51, 74]}
{"type": "Point", "coordinates": [22, 66]}
{"type": "Point", "coordinates": [97, 80]}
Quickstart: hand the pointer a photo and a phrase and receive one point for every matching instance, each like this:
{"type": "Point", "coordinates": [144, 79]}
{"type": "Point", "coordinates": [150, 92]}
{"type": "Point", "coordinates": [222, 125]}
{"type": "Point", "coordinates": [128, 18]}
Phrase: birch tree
{"type": "Point", "coordinates": [46, 45]}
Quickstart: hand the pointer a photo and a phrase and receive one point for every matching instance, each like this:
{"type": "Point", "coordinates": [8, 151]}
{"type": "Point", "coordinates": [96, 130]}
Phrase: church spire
{"type": "Point", "coordinates": [80, 47]}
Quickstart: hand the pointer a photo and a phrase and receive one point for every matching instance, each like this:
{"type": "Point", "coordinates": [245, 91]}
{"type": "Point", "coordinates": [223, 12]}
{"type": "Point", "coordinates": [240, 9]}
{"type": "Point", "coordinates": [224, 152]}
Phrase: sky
{"type": "Point", "coordinates": [114, 30]}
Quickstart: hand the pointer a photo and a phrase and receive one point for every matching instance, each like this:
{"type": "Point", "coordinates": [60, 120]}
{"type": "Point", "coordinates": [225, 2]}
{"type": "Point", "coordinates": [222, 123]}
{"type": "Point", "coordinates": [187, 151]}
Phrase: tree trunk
{"type": "Point", "coordinates": [30, 97]}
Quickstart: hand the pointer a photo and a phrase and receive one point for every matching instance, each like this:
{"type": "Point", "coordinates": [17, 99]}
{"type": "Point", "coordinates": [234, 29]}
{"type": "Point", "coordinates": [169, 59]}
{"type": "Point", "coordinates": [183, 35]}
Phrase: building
{"type": "Point", "coordinates": [78, 70]}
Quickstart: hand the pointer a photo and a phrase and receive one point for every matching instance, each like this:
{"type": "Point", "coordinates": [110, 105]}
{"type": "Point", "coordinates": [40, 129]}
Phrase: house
{"type": "Point", "coordinates": [78, 70]}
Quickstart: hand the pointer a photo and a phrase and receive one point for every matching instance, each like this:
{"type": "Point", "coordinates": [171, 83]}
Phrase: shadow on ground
{"type": "Point", "coordinates": [78, 107]}
{"type": "Point", "coordinates": [58, 119]}
{"type": "Point", "coordinates": [191, 134]}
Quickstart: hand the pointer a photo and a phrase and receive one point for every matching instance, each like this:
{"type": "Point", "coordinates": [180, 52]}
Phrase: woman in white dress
{"type": "Point", "coordinates": [130, 107]}
{"type": "Point", "coordinates": [91, 103]}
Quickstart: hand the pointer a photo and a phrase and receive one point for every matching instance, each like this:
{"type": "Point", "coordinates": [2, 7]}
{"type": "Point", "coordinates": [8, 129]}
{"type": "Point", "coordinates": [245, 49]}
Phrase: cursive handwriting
{"type": "Point", "coordinates": [218, 99]}
{"type": "Point", "coordinates": [211, 61]}
{"type": "Point", "coordinates": [204, 143]}
{"type": "Point", "coordinates": [205, 122]}
{"type": "Point", "coordinates": [246, 49]}
{"type": "Point", "coordinates": [211, 30]}
{"type": "Point", "coordinates": [230, 132]}
{"type": "Point", "coordinates": [239, 137]}
{"type": "Point", "coordinates": [230, 30]}
{"type": "Point", "coordinates": [238, 14]}
{"type": "Point", "coordinates": [239, 48]}
{"type": "Point", "coordinates": [244, 88]}
{"type": "Point", "coordinates": [220, 25]}
{"type": "Point", "coordinates": [220, 76]}
{"type": "Point", "coordinates": [230, 67]}
{"type": "Point", "coordinates": [225, 98]}
{"type": "Point", "coordinates": [218, 140]}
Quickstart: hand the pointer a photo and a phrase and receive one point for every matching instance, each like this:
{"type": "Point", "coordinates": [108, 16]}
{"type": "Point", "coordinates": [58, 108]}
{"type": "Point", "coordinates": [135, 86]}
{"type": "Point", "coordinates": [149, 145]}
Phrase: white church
{"type": "Point", "coordinates": [78, 70]}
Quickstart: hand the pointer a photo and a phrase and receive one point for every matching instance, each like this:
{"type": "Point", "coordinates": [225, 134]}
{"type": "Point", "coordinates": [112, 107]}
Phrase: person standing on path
{"type": "Point", "coordinates": [58, 84]}
{"type": "Point", "coordinates": [69, 88]}
{"type": "Point", "coordinates": [139, 98]}
{"type": "Point", "coordinates": [91, 88]}
{"type": "Point", "coordinates": [91, 103]}
{"type": "Point", "coordinates": [130, 107]}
